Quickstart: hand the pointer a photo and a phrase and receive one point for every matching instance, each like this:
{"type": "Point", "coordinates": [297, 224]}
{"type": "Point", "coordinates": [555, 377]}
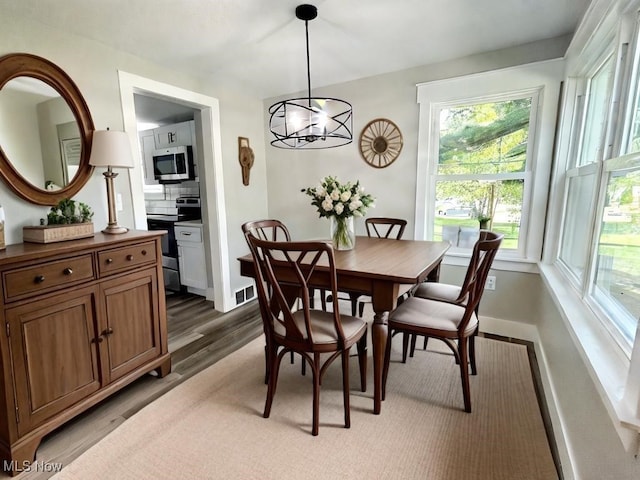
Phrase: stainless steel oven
{"type": "Point", "coordinates": [188, 208]}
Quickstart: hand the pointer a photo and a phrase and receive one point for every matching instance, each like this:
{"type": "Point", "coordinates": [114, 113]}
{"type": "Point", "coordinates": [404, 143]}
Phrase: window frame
{"type": "Point", "coordinates": [542, 77]}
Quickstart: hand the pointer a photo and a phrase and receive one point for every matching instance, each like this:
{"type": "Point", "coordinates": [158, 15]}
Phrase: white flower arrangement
{"type": "Point", "coordinates": [333, 199]}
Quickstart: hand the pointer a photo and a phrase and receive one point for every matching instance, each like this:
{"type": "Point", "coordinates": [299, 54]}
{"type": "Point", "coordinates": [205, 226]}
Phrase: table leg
{"type": "Point", "coordinates": [379, 334]}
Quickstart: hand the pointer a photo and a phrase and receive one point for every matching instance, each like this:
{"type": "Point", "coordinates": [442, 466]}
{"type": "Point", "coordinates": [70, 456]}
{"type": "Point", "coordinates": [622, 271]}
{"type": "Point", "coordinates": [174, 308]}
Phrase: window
{"type": "Point", "coordinates": [616, 284]}
{"type": "Point", "coordinates": [480, 173]}
{"type": "Point", "coordinates": [484, 150]}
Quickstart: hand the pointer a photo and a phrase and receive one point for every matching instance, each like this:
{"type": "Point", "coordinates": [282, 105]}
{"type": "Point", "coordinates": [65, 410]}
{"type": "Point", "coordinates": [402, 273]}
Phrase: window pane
{"type": "Point", "coordinates": [596, 117]}
{"type": "Point", "coordinates": [458, 204]}
{"type": "Point", "coordinates": [486, 138]}
{"type": "Point", "coordinates": [576, 229]}
{"type": "Point", "coordinates": [617, 281]}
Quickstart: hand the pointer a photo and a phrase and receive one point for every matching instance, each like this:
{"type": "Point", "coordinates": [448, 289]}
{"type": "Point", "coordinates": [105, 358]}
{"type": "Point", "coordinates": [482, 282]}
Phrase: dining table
{"type": "Point", "coordinates": [382, 269]}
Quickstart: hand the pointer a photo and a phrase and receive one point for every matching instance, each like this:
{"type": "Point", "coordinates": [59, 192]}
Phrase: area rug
{"type": "Point", "coordinates": [211, 426]}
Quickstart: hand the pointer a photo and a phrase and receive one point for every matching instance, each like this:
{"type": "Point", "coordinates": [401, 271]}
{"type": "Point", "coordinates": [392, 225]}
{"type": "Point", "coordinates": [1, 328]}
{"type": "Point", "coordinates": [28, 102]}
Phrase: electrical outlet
{"type": "Point", "coordinates": [490, 284]}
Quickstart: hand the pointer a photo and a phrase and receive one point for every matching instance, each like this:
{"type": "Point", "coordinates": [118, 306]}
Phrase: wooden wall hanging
{"type": "Point", "coordinates": [380, 142]}
{"type": "Point", "coordinates": [246, 158]}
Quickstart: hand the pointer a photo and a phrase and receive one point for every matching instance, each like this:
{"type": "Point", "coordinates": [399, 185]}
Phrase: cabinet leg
{"type": "Point", "coordinates": [21, 457]}
{"type": "Point", "coordinates": [164, 369]}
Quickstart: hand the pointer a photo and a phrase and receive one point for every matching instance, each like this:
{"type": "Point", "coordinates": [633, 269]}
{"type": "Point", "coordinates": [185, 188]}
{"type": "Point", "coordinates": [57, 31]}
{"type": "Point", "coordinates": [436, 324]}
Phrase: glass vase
{"type": "Point", "coordinates": [343, 233]}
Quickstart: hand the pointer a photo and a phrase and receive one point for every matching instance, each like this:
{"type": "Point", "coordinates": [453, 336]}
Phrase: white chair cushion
{"type": "Point", "coordinates": [442, 292]}
{"type": "Point", "coordinates": [424, 313]}
{"type": "Point", "coordinates": [323, 327]}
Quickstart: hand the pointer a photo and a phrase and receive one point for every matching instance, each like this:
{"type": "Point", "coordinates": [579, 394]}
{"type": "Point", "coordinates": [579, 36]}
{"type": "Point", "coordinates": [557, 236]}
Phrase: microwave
{"type": "Point", "coordinates": [173, 164]}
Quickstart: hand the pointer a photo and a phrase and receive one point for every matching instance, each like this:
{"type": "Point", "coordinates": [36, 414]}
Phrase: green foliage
{"type": "Point", "coordinates": [68, 211]}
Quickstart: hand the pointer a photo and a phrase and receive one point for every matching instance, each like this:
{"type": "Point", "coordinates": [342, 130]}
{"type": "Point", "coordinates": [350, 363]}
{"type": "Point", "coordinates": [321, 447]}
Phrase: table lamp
{"type": "Point", "coordinates": [111, 149]}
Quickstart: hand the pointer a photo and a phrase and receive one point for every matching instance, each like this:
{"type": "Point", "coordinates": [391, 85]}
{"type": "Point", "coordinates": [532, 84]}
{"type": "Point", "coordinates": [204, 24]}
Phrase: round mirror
{"type": "Point", "coordinates": [45, 130]}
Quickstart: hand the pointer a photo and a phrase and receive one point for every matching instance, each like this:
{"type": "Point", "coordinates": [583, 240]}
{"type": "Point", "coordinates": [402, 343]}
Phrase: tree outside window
{"type": "Point", "coordinates": [481, 170]}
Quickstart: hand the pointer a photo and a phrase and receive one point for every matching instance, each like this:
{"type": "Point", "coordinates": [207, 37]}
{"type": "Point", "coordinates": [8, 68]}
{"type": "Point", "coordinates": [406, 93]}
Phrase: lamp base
{"type": "Point", "coordinates": [115, 229]}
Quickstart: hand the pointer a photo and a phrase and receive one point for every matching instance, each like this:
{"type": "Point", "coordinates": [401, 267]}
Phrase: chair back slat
{"type": "Point", "coordinates": [286, 268]}
{"type": "Point", "coordinates": [383, 227]}
{"type": "Point", "coordinates": [482, 258]}
{"type": "Point", "coordinates": [273, 230]}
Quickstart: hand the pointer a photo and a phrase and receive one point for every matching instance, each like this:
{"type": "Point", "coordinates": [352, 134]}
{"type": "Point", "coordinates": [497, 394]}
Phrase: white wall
{"type": "Point", "coordinates": [391, 96]}
{"type": "Point", "coordinates": [94, 68]}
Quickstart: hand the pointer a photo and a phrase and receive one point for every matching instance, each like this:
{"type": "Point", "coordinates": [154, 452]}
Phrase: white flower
{"type": "Point", "coordinates": [345, 196]}
{"type": "Point", "coordinates": [355, 205]}
{"type": "Point", "coordinates": [339, 208]}
{"type": "Point", "coordinates": [335, 194]}
{"type": "Point", "coordinates": [327, 204]}
{"type": "Point", "coordinates": [320, 192]}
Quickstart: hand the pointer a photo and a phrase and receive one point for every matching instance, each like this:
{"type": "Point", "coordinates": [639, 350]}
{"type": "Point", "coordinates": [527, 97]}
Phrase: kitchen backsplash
{"type": "Point", "coordinates": [165, 202]}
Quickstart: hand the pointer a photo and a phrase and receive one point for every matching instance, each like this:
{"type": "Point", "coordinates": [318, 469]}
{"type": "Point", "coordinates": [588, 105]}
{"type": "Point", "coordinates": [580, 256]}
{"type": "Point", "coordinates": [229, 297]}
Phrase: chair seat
{"type": "Point", "coordinates": [423, 314]}
{"type": "Point", "coordinates": [442, 292]}
{"type": "Point", "coordinates": [322, 326]}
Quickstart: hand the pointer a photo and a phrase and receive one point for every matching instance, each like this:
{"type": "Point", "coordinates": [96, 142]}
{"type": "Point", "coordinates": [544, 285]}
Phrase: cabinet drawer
{"type": "Point", "coordinates": [125, 258]}
{"type": "Point", "coordinates": [47, 276]}
{"type": "Point", "coordinates": [188, 234]}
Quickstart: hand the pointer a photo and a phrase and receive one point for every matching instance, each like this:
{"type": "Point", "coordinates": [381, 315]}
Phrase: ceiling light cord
{"type": "Point", "coordinates": [306, 28]}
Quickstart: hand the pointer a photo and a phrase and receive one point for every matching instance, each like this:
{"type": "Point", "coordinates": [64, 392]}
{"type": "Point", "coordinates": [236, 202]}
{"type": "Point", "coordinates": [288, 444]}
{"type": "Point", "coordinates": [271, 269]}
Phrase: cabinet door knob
{"type": "Point", "coordinates": [97, 340]}
{"type": "Point", "coordinates": [129, 257]}
{"type": "Point", "coordinates": [39, 279]}
{"type": "Point", "coordinates": [108, 331]}
{"type": "Point", "coordinates": [109, 260]}
{"type": "Point", "coordinates": [67, 271]}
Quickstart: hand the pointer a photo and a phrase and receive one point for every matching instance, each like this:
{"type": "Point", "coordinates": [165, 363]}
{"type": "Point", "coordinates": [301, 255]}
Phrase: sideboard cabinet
{"type": "Point", "coordinates": [82, 319]}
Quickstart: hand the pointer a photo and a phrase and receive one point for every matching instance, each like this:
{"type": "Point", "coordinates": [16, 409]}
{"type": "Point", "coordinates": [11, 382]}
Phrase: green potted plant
{"type": "Point", "coordinates": [483, 220]}
{"type": "Point", "coordinates": [68, 220]}
{"type": "Point", "coordinates": [69, 211]}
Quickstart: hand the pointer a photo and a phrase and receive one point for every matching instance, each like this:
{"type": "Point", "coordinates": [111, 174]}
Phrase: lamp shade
{"type": "Point", "coordinates": [111, 148]}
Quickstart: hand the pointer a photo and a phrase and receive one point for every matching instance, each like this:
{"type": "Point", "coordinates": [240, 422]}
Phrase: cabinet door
{"type": "Point", "coordinates": [191, 261]}
{"type": "Point", "coordinates": [148, 146]}
{"type": "Point", "coordinates": [130, 323]}
{"type": "Point", "coordinates": [53, 350]}
{"type": "Point", "coordinates": [173, 135]}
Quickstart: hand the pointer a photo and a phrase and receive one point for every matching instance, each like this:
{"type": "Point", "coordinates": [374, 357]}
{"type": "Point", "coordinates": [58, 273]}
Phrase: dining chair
{"type": "Point", "coordinates": [451, 323]}
{"type": "Point", "coordinates": [381, 227]}
{"type": "Point", "coordinates": [268, 229]}
{"type": "Point", "coordinates": [456, 294]}
{"type": "Point", "coordinates": [292, 326]}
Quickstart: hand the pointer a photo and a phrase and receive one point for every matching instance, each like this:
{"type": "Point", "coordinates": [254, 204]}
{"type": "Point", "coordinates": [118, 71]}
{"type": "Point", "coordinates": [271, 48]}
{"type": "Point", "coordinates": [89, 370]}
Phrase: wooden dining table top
{"type": "Point", "coordinates": [378, 267]}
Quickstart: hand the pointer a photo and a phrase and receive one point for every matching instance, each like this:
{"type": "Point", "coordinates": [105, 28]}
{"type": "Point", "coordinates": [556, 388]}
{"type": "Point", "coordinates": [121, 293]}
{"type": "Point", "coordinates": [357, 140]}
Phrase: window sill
{"type": "Point", "coordinates": [606, 363]}
{"type": "Point", "coordinates": [504, 263]}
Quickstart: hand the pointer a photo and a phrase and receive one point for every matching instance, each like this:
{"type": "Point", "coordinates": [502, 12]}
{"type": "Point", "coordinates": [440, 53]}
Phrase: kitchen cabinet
{"type": "Point", "coordinates": [191, 257]}
{"type": "Point", "coordinates": [83, 318]}
{"type": "Point", "coordinates": [147, 146]}
{"type": "Point", "coordinates": [174, 135]}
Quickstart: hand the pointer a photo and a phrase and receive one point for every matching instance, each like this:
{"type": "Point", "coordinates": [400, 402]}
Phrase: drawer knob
{"type": "Point", "coordinates": [39, 279]}
{"type": "Point", "coordinates": [109, 260]}
{"type": "Point", "coordinates": [144, 252]}
{"type": "Point", "coordinates": [67, 271]}
{"type": "Point", "coordinates": [129, 257]}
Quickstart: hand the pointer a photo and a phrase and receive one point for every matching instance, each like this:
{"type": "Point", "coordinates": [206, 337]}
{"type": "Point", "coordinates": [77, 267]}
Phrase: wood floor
{"type": "Point", "coordinates": [198, 337]}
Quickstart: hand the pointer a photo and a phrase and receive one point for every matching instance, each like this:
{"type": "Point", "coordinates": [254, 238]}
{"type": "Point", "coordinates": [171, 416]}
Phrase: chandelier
{"type": "Point", "coordinates": [310, 122]}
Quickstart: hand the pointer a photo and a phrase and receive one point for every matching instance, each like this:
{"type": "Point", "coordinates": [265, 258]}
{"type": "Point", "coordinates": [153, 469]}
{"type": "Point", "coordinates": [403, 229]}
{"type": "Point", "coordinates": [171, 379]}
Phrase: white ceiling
{"type": "Point", "coordinates": [260, 45]}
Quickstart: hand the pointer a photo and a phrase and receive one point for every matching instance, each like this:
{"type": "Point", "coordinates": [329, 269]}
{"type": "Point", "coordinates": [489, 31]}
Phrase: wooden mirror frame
{"type": "Point", "coordinates": [27, 65]}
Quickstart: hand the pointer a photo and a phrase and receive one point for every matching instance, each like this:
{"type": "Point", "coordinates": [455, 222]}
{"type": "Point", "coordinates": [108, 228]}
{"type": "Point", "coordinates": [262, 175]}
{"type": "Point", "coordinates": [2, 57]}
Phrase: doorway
{"type": "Point", "coordinates": [207, 121]}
